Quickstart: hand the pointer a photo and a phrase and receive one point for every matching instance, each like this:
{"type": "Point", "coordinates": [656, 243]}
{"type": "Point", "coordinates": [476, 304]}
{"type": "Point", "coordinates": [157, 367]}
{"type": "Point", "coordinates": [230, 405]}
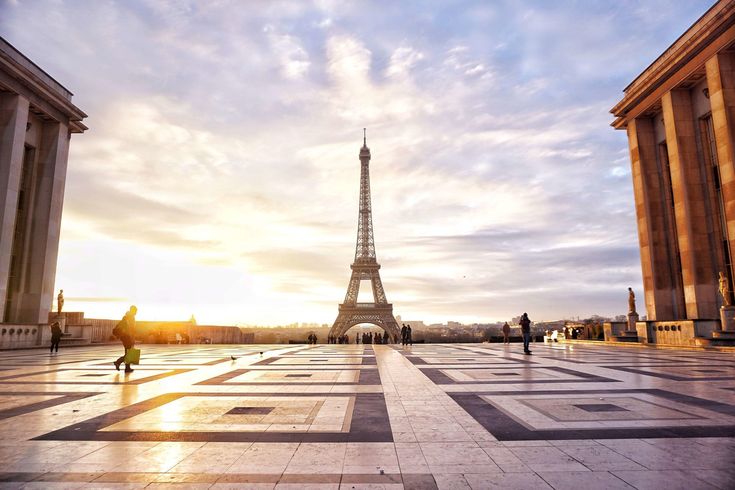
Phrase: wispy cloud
{"type": "Point", "coordinates": [220, 173]}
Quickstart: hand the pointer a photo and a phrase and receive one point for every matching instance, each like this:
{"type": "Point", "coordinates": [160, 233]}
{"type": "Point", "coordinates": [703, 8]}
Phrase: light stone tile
{"type": "Point", "coordinates": [506, 481]}
{"type": "Point", "coordinates": [652, 480]}
{"type": "Point", "coordinates": [575, 480]}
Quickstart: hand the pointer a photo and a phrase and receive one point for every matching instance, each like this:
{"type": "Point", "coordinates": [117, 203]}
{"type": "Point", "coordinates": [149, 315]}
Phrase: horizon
{"type": "Point", "coordinates": [220, 173]}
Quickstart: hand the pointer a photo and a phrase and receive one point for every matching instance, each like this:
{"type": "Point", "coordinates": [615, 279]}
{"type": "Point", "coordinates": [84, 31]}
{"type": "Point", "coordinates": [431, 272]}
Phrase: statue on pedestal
{"type": "Point", "coordinates": [631, 301]}
{"type": "Point", "coordinates": [724, 289]}
{"type": "Point", "coordinates": [60, 301]}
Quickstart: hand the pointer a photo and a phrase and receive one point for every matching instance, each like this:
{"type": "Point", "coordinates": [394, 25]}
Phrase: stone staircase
{"type": "Point", "coordinates": [625, 336]}
{"type": "Point", "coordinates": [68, 340]}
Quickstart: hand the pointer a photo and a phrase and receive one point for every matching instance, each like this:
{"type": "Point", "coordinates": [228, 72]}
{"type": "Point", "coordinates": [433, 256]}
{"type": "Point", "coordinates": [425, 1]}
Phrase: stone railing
{"type": "Point", "coordinates": [681, 332]}
{"type": "Point", "coordinates": [20, 336]}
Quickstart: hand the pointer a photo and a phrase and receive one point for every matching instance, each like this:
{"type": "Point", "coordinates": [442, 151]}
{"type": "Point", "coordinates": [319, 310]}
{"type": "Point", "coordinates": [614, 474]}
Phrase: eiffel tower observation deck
{"type": "Point", "coordinates": [365, 268]}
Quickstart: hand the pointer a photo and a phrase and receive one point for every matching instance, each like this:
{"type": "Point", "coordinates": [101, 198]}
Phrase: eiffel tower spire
{"type": "Point", "coordinates": [365, 250]}
{"type": "Point", "coordinates": [365, 268]}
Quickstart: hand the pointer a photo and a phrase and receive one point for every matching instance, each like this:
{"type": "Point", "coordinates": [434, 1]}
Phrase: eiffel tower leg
{"type": "Point", "coordinates": [391, 326]}
{"type": "Point", "coordinates": [339, 327]}
{"type": "Point", "coordinates": [353, 288]}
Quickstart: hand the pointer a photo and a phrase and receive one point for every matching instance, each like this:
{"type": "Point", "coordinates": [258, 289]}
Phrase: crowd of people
{"type": "Point", "coordinates": [378, 338]}
{"type": "Point", "coordinates": [369, 337]}
{"type": "Point", "coordinates": [338, 339]}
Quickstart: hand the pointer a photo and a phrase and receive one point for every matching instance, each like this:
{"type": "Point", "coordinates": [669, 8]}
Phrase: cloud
{"type": "Point", "coordinates": [288, 51]}
{"type": "Point", "coordinates": [222, 155]}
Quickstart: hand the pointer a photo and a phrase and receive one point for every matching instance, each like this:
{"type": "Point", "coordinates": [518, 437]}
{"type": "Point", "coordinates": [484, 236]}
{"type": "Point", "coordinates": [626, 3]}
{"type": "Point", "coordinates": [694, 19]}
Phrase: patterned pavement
{"type": "Point", "coordinates": [350, 416]}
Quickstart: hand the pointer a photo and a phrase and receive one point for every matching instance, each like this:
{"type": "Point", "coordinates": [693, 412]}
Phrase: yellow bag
{"type": "Point", "coordinates": [132, 356]}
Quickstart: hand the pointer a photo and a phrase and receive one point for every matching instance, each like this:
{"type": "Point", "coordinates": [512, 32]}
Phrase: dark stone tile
{"type": "Point", "coordinates": [68, 477]}
{"type": "Point", "coordinates": [19, 477]}
{"type": "Point", "coordinates": [249, 478]}
{"type": "Point", "coordinates": [673, 377]}
{"type": "Point", "coordinates": [370, 423]}
{"type": "Point", "coordinates": [64, 398]}
{"type": "Point", "coordinates": [437, 376]}
{"type": "Point", "coordinates": [506, 428]}
{"type": "Point", "coordinates": [250, 411]}
{"type": "Point", "coordinates": [18, 378]}
{"type": "Point", "coordinates": [418, 482]}
{"type": "Point", "coordinates": [305, 479]}
{"type": "Point", "coordinates": [601, 407]}
{"type": "Point", "coordinates": [371, 478]}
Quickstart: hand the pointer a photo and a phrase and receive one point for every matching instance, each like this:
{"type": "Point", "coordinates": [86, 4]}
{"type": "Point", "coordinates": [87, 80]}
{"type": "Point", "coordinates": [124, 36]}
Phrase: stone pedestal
{"type": "Point", "coordinates": [727, 318]}
{"type": "Point", "coordinates": [632, 320]}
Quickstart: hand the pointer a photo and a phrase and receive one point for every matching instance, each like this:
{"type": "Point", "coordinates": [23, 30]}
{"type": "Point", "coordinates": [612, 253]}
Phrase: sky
{"type": "Point", "coordinates": [220, 174]}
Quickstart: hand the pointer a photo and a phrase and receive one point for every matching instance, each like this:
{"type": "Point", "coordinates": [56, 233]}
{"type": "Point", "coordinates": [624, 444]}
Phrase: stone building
{"type": "Point", "coordinates": [37, 119]}
{"type": "Point", "coordinates": [679, 115]}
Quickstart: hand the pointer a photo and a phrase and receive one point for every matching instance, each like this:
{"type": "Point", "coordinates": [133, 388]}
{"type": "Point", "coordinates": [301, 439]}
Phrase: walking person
{"type": "Point", "coordinates": [125, 331]}
{"type": "Point", "coordinates": [506, 333]}
{"type": "Point", "coordinates": [409, 338]}
{"type": "Point", "coordinates": [403, 334]}
{"type": "Point", "coordinates": [526, 332]}
{"type": "Point", "coordinates": [55, 336]}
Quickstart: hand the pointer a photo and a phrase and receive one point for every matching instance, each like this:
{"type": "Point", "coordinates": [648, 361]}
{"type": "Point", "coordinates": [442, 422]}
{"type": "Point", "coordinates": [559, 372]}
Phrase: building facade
{"type": "Point", "coordinates": [679, 115]}
{"type": "Point", "coordinates": [37, 119]}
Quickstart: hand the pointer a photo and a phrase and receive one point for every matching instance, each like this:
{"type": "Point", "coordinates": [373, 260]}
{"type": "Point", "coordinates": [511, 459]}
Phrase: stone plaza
{"type": "Point", "coordinates": [361, 416]}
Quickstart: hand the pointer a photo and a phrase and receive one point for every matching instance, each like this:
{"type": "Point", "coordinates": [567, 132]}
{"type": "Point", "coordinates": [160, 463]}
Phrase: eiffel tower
{"type": "Point", "coordinates": [364, 268]}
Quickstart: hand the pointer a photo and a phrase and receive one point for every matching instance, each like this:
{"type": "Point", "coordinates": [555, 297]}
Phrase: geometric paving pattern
{"type": "Point", "coordinates": [352, 416]}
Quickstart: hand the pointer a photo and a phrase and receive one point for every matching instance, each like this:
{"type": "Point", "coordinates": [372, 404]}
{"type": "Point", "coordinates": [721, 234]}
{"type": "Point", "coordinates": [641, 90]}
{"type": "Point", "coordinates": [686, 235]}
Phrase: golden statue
{"type": "Point", "coordinates": [60, 302]}
{"type": "Point", "coordinates": [724, 289]}
{"type": "Point", "coordinates": [631, 301]}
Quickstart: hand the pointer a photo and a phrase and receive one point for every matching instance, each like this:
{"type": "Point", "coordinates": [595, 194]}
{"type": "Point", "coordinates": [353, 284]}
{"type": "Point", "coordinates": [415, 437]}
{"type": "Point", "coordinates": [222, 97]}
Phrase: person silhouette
{"type": "Point", "coordinates": [526, 332]}
{"type": "Point", "coordinates": [56, 334]}
{"type": "Point", "coordinates": [506, 333]}
{"type": "Point", "coordinates": [125, 331]}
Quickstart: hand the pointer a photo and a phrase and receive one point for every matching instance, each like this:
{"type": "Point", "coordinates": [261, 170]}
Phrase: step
{"type": "Point", "coordinates": [74, 341]}
{"type": "Point", "coordinates": [623, 338]}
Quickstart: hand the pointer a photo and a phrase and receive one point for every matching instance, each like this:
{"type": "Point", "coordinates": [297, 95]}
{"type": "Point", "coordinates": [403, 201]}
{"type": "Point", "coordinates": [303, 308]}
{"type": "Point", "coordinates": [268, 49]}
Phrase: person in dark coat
{"type": "Point", "coordinates": [125, 331]}
{"type": "Point", "coordinates": [526, 332]}
{"type": "Point", "coordinates": [55, 336]}
{"type": "Point", "coordinates": [409, 337]}
{"type": "Point", "coordinates": [403, 334]}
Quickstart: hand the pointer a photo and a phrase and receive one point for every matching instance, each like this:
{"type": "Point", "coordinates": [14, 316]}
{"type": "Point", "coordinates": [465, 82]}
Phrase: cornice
{"type": "Point", "coordinates": [39, 84]}
{"type": "Point", "coordinates": [706, 30]}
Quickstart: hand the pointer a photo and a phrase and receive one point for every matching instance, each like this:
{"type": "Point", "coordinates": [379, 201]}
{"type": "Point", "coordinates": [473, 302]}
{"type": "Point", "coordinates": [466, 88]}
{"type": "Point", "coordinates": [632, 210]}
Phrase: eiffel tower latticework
{"type": "Point", "coordinates": [365, 268]}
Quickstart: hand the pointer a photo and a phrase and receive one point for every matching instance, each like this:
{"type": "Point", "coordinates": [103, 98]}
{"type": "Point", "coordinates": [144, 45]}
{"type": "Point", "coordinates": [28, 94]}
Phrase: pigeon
{"type": "Point", "coordinates": [233, 358]}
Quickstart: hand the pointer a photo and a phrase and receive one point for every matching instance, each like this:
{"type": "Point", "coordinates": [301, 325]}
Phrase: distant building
{"type": "Point", "coordinates": [680, 118]}
{"type": "Point", "coordinates": [37, 118]}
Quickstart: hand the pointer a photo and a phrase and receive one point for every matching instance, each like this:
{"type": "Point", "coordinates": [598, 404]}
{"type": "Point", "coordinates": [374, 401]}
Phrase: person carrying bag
{"type": "Point", "coordinates": [125, 331]}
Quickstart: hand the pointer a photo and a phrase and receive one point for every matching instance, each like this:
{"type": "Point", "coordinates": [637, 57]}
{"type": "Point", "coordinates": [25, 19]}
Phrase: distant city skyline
{"type": "Point", "coordinates": [220, 174]}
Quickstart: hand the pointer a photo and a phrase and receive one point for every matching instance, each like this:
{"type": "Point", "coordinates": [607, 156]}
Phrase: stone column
{"type": "Point", "coordinates": [690, 206]}
{"type": "Point", "coordinates": [661, 287]}
{"type": "Point", "coordinates": [38, 289]}
{"type": "Point", "coordinates": [721, 86]}
{"type": "Point", "coordinates": [13, 120]}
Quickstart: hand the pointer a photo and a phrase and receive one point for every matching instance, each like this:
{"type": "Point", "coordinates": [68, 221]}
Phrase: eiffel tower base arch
{"type": "Point", "coordinates": [379, 315]}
